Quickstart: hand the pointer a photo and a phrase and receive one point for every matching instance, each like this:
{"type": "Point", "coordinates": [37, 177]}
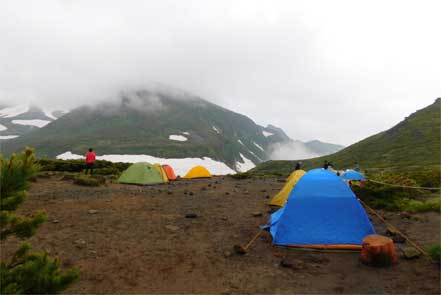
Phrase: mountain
{"type": "Point", "coordinates": [163, 124]}
{"type": "Point", "coordinates": [323, 148]}
{"type": "Point", "coordinates": [415, 141]}
{"type": "Point", "coordinates": [18, 120]}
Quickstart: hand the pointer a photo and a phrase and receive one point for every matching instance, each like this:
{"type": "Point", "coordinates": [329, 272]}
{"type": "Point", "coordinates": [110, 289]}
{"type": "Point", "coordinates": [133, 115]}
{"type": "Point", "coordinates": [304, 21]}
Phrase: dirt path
{"type": "Point", "coordinates": [139, 241]}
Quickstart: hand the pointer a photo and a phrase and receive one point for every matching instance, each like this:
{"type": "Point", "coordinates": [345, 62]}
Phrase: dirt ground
{"type": "Point", "coordinates": [139, 241]}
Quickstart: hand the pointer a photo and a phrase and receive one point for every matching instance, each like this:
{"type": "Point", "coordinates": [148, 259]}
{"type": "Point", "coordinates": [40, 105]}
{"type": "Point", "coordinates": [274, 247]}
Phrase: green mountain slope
{"type": "Point", "coordinates": [141, 123]}
{"type": "Point", "coordinates": [413, 142]}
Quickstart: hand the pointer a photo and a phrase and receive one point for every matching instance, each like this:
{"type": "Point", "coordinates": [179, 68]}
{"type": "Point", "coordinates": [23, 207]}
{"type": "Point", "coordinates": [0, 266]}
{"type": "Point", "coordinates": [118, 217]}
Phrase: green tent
{"type": "Point", "coordinates": [141, 173]}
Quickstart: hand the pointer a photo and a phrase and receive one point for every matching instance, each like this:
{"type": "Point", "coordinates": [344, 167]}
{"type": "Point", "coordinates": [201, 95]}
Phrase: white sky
{"type": "Point", "coordinates": [337, 71]}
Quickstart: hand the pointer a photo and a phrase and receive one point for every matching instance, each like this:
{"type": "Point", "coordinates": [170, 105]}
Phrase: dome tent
{"type": "Point", "coordinates": [321, 212]}
{"type": "Point", "coordinates": [353, 175]}
{"type": "Point", "coordinates": [169, 172]}
{"type": "Point", "coordinates": [141, 173]}
{"type": "Point", "coordinates": [198, 172]}
{"type": "Point", "coordinates": [282, 196]}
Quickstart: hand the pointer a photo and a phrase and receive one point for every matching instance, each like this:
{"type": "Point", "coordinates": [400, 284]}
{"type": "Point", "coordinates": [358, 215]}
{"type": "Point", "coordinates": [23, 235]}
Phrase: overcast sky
{"type": "Point", "coordinates": [334, 70]}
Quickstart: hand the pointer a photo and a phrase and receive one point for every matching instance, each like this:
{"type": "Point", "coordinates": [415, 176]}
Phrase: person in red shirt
{"type": "Point", "coordinates": [90, 159]}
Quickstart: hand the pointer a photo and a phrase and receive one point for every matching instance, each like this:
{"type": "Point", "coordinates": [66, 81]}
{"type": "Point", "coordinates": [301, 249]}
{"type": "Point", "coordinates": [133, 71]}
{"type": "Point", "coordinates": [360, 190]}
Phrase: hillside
{"type": "Point", "coordinates": [18, 120]}
{"type": "Point", "coordinates": [413, 142]}
{"type": "Point", "coordinates": [161, 124]}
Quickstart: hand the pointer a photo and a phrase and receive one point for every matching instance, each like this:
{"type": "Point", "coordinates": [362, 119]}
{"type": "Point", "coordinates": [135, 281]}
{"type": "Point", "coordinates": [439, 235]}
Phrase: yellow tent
{"type": "Point", "coordinates": [162, 172]}
{"type": "Point", "coordinates": [281, 198]}
{"type": "Point", "coordinates": [198, 172]}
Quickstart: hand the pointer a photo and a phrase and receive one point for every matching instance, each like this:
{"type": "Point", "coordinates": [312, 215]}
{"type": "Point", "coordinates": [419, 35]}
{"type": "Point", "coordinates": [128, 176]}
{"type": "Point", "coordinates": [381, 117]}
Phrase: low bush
{"type": "Point", "coordinates": [435, 253]}
{"type": "Point", "coordinates": [86, 180]}
{"type": "Point", "coordinates": [100, 167]}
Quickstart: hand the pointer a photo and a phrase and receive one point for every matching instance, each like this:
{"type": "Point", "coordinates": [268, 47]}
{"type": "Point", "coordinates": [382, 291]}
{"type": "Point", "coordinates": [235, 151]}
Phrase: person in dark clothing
{"type": "Point", "coordinates": [326, 165]}
{"type": "Point", "coordinates": [298, 166]}
{"type": "Point", "coordinates": [90, 160]}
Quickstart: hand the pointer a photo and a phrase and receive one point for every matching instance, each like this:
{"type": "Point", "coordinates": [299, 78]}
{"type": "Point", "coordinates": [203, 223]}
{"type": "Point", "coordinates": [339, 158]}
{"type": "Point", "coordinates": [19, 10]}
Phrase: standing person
{"type": "Point", "coordinates": [298, 166]}
{"type": "Point", "coordinates": [326, 165]}
{"type": "Point", "coordinates": [90, 159]}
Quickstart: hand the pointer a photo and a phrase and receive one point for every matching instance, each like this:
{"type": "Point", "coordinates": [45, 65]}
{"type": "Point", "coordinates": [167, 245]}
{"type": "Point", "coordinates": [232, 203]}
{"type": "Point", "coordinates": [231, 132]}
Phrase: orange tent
{"type": "Point", "coordinates": [169, 172]}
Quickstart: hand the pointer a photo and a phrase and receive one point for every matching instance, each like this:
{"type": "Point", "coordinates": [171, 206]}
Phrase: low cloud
{"type": "Point", "coordinates": [293, 150]}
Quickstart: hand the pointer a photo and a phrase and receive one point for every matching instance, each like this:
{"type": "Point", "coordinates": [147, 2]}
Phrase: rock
{"type": "Point", "coordinates": [267, 196]}
{"type": "Point", "coordinates": [391, 231]}
{"type": "Point", "coordinates": [80, 243]}
{"type": "Point", "coordinates": [172, 227]}
{"type": "Point", "coordinates": [203, 189]}
{"type": "Point", "coordinates": [246, 192]}
{"type": "Point", "coordinates": [227, 193]}
{"type": "Point", "coordinates": [263, 191]}
{"type": "Point", "coordinates": [294, 264]}
{"type": "Point", "coordinates": [224, 218]}
{"type": "Point", "coordinates": [92, 211]}
{"type": "Point", "coordinates": [191, 215]}
{"type": "Point", "coordinates": [257, 214]}
{"type": "Point", "coordinates": [55, 221]}
{"type": "Point", "coordinates": [405, 214]}
{"type": "Point", "coordinates": [227, 254]}
{"type": "Point", "coordinates": [191, 193]}
{"type": "Point", "coordinates": [398, 239]}
{"type": "Point", "coordinates": [410, 253]}
{"type": "Point", "coordinates": [68, 177]}
{"type": "Point", "coordinates": [169, 192]}
{"type": "Point", "coordinates": [214, 186]}
{"type": "Point", "coordinates": [209, 185]}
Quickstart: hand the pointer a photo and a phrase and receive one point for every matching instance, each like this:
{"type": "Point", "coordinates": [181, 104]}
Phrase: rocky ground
{"type": "Point", "coordinates": [134, 239]}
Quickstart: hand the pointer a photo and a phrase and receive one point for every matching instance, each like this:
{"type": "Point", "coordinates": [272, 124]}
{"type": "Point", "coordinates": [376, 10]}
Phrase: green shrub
{"type": "Point", "coordinates": [79, 166]}
{"type": "Point", "coordinates": [435, 253]}
{"type": "Point", "coordinates": [86, 180]}
{"type": "Point", "coordinates": [25, 273]}
{"type": "Point", "coordinates": [240, 175]}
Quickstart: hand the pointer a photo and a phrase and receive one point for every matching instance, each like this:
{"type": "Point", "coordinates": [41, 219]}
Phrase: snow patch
{"type": "Point", "coordinates": [240, 141]}
{"type": "Point", "coordinates": [37, 123]}
{"type": "Point", "coordinates": [13, 111]}
{"type": "Point", "coordinates": [177, 137]}
{"type": "Point", "coordinates": [48, 113]}
{"type": "Point", "coordinates": [180, 166]}
{"type": "Point", "coordinates": [8, 136]}
{"type": "Point", "coordinates": [261, 148]}
{"type": "Point", "coordinates": [246, 164]}
{"type": "Point", "coordinates": [186, 133]}
{"type": "Point", "coordinates": [2, 128]}
{"type": "Point", "coordinates": [251, 152]}
{"type": "Point", "coordinates": [266, 133]}
{"type": "Point", "coordinates": [216, 130]}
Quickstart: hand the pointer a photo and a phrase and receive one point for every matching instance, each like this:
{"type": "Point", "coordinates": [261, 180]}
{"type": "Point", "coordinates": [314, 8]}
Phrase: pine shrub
{"type": "Point", "coordinates": [25, 272]}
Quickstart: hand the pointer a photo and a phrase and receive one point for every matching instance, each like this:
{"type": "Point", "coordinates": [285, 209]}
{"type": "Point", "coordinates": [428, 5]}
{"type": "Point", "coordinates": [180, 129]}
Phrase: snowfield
{"type": "Point", "coordinates": [181, 166]}
{"type": "Point", "coordinates": [36, 123]}
{"type": "Point", "coordinates": [261, 148]}
{"type": "Point", "coordinates": [266, 133]}
{"type": "Point", "coordinates": [13, 111]}
{"type": "Point", "coordinates": [246, 164]}
{"type": "Point", "coordinates": [216, 130]}
{"type": "Point", "coordinates": [2, 128]}
{"type": "Point", "coordinates": [8, 136]}
{"type": "Point", "coordinates": [177, 137]}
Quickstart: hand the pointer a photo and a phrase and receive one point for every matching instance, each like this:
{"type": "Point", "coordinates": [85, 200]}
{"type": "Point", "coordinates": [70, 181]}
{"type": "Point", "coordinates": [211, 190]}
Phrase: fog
{"type": "Point", "coordinates": [337, 71]}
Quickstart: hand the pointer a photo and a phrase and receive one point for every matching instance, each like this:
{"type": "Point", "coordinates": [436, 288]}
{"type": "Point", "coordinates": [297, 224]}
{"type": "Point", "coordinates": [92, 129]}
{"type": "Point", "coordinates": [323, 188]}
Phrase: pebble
{"type": "Point", "coordinates": [257, 214]}
{"type": "Point", "coordinates": [55, 221]}
{"type": "Point", "coordinates": [172, 227]}
{"type": "Point", "coordinates": [191, 215]}
{"type": "Point", "coordinates": [80, 243]}
{"type": "Point", "coordinates": [410, 253]}
{"type": "Point", "coordinates": [227, 254]}
{"type": "Point", "coordinates": [92, 211]}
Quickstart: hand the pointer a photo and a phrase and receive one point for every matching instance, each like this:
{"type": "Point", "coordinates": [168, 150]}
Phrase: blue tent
{"type": "Point", "coordinates": [321, 212]}
{"type": "Point", "coordinates": [353, 175]}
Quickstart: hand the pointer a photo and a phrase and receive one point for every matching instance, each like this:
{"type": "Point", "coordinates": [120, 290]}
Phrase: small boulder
{"type": "Point", "coordinates": [398, 239]}
{"type": "Point", "coordinates": [172, 227]}
{"type": "Point", "coordinates": [410, 253]}
{"type": "Point", "coordinates": [227, 254]}
{"type": "Point", "coordinates": [227, 193]}
{"type": "Point", "coordinates": [92, 211]}
{"type": "Point", "coordinates": [191, 193]}
{"type": "Point", "coordinates": [55, 221]}
{"type": "Point", "coordinates": [80, 243]}
{"type": "Point", "coordinates": [257, 214]}
{"type": "Point", "coordinates": [191, 215]}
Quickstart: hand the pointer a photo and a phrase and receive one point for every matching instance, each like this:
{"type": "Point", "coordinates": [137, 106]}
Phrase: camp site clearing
{"type": "Point", "coordinates": [136, 239]}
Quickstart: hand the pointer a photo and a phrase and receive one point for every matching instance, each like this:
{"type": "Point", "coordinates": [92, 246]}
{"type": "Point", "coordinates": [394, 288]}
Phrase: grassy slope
{"type": "Point", "coordinates": [414, 142]}
{"type": "Point", "coordinates": [122, 130]}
